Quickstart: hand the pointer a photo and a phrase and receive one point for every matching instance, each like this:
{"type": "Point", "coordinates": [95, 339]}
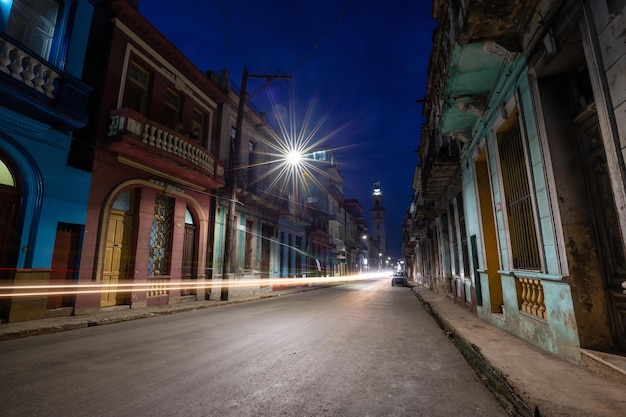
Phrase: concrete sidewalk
{"type": "Point", "coordinates": [124, 313]}
{"type": "Point", "coordinates": [541, 383]}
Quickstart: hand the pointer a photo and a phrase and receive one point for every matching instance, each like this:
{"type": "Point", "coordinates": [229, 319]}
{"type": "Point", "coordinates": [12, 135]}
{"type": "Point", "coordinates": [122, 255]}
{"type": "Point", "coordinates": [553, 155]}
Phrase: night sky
{"type": "Point", "coordinates": [358, 65]}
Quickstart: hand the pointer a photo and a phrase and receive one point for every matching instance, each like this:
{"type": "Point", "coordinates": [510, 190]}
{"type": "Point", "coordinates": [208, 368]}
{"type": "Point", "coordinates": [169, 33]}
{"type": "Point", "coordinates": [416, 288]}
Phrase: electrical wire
{"type": "Point", "coordinates": [319, 41]}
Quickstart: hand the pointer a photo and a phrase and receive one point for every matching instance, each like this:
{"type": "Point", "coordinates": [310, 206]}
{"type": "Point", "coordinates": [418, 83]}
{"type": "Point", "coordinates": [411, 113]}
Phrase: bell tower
{"type": "Point", "coordinates": [378, 220]}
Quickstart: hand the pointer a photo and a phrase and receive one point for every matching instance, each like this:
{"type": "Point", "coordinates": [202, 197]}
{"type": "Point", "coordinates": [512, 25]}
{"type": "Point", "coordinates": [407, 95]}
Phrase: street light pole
{"type": "Point", "coordinates": [228, 262]}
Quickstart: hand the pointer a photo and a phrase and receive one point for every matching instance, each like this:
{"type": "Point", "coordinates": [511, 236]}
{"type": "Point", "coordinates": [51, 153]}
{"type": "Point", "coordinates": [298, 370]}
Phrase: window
{"type": "Point", "coordinates": [197, 125]}
{"type": "Point", "coordinates": [6, 176]}
{"type": "Point", "coordinates": [136, 89]}
{"type": "Point", "coordinates": [518, 197]}
{"type": "Point", "coordinates": [247, 260]}
{"type": "Point", "coordinates": [33, 23]}
{"type": "Point", "coordinates": [251, 168]}
{"type": "Point", "coordinates": [161, 237]}
{"type": "Point", "coordinates": [232, 155]}
{"type": "Point", "coordinates": [454, 242]}
{"type": "Point", "coordinates": [462, 229]}
{"type": "Point", "coordinates": [171, 112]}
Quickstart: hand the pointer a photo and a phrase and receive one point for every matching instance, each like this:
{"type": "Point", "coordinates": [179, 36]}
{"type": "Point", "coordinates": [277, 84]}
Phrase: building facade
{"type": "Point", "coordinates": [119, 161]}
{"type": "Point", "coordinates": [518, 210]}
{"type": "Point", "coordinates": [151, 148]}
{"type": "Point", "coordinates": [43, 195]}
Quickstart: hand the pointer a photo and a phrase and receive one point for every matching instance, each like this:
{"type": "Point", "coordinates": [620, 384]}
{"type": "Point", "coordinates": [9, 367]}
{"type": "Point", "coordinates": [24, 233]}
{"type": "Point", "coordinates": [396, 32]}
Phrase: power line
{"type": "Point", "coordinates": [319, 41]}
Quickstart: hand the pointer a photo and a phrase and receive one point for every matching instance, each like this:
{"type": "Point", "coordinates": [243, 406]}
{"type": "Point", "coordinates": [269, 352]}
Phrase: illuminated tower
{"type": "Point", "coordinates": [378, 220]}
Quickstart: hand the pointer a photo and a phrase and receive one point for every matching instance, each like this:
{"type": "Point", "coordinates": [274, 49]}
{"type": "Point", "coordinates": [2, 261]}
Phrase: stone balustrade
{"type": "Point", "coordinates": [533, 301]}
{"type": "Point", "coordinates": [169, 142]}
{"type": "Point", "coordinates": [161, 138]}
{"type": "Point", "coordinates": [158, 287]}
{"type": "Point", "coordinates": [28, 68]}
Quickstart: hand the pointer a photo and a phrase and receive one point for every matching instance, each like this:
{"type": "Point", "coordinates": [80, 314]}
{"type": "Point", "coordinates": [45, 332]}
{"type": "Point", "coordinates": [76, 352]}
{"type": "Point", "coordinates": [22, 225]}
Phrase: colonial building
{"type": "Point", "coordinates": [518, 211]}
{"type": "Point", "coordinates": [327, 189]}
{"type": "Point", "coordinates": [356, 230]}
{"type": "Point", "coordinates": [151, 148]}
{"type": "Point", "coordinates": [43, 196]}
{"type": "Point", "coordinates": [253, 229]}
{"type": "Point", "coordinates": [157, 180]}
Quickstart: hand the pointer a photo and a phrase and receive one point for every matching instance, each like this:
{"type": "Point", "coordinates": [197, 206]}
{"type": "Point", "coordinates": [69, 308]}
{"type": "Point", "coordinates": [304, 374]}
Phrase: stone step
{"type": "Point", "coordinates": [610, 365]}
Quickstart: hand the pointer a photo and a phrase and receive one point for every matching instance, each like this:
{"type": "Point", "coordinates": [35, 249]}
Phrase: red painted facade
{"type": "Point", "coordinates": [153, 139]}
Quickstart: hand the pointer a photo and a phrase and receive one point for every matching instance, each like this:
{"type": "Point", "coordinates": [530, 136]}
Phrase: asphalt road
{"type": "Point", "coordinates": [360, 349]}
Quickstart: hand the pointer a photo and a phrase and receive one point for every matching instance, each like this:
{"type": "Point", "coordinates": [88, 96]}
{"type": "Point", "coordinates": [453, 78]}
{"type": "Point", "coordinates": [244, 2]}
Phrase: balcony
{"type": "Point", "coordinates": [440, 165]}
{"type": "Point", "coordinates": [144, 144]}
{"type": "Point", "coordinates": [33, 86]}
{"type": "Point", "coordinates": [505, 21]}
{"type": "Point", "coordinates": [336, 218]}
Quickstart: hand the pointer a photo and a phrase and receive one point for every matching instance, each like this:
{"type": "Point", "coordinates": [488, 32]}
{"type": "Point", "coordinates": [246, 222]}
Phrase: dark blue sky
{"type": "Point", "coordinates": [362, 63]}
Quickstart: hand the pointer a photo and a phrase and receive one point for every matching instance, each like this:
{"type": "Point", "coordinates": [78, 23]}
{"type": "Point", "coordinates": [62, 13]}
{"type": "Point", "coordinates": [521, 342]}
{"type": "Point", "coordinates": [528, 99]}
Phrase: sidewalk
{"type": "Point", "coordinates": [547, 385]}
{"type": "Point", "coordinates": [124, 313]}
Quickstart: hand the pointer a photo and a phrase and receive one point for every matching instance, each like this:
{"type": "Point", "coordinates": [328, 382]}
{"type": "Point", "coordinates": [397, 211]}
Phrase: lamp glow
{"type": "Point", "coordinates": [294, 157]}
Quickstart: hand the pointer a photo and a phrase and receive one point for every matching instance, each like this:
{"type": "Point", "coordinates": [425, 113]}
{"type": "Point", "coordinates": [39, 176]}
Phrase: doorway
{"type": "Point", "coordinates": [488, 233]}
{"type": "Point", "coordinates": [65, 261]}
{"type": "Point", "coordinates": [605, 219]}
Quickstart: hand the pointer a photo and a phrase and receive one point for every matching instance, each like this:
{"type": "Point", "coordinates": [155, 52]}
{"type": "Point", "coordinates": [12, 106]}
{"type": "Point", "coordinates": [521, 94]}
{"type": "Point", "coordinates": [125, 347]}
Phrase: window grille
{"type": "Point", "coordinates": [518, 197]}
{"type": "Point", "coordinates": [161, 237]}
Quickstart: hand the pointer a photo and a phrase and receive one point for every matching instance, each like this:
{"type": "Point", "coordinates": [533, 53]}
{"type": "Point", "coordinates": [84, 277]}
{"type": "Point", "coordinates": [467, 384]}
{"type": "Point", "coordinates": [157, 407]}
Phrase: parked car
{"type": "Point", "coordinates": [399, 278]}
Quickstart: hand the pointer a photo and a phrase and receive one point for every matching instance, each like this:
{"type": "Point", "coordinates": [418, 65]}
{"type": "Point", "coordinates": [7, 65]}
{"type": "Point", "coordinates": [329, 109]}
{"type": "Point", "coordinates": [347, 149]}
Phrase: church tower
{"type": "Point", "coordinates": [378, 219]}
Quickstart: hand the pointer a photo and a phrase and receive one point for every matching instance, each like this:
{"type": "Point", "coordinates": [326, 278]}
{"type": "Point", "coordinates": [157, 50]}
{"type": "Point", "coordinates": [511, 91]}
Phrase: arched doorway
{"type": "Point", "coordinates": [10, 232]}
{"type": "Point", "coordinates": [10, 204]}
{"type": "Point", "coordinates": [119, 254]}
{"type": "Point", "coordinates": [189, 264]}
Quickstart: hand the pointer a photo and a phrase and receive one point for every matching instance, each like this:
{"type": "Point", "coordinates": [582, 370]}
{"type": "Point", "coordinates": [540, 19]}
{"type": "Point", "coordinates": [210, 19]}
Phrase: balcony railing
{"type": "Point", "coordinates": [27, 68]}
{"type": "Point", "coordinates": [133, 134]}
{"type": "Point", "coordinates": [533, 301]}
{"type": "Point", "coordinates": [158, 287]}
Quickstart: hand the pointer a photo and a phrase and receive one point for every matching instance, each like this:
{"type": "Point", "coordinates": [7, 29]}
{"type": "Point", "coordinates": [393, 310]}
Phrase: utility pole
{"type": "Point", "coordinates": [228, 262]}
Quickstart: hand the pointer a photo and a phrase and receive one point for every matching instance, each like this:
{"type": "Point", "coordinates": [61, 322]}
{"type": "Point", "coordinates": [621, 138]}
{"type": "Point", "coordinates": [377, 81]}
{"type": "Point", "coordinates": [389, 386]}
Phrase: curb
{"type": "Point", "coordinates": [494, 380]}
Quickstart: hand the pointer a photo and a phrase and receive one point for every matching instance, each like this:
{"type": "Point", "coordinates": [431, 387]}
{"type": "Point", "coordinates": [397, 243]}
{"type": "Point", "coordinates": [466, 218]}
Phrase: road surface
{"type": "Point", "coordinates": [359, 349]}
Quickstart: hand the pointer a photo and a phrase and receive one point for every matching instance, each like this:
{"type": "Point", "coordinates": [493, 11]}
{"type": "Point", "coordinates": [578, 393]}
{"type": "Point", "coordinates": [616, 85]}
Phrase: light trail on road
{"type": "Point", "coordinates": [95, 287]}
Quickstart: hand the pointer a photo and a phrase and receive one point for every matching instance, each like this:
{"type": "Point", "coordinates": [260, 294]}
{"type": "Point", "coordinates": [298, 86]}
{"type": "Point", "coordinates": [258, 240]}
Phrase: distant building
{"type": "Point", "coordinates": [356, 231]}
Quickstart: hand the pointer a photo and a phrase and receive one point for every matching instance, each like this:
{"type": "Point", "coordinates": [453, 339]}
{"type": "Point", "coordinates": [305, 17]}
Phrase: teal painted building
{"type": "Point", "coordinates": [518, 210]}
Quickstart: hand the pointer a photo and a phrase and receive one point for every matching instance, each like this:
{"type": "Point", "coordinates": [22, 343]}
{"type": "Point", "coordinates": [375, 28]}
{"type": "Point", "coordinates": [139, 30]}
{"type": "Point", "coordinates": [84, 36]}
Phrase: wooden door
{"type": "Point", "coordinates": [10, 233]}
{"type": "Point", "coordinates": [189, 259]}
{"type": "Point", "coordinates": [112, 258]}
{"type": "Point", "coordinates": [64, 263]}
